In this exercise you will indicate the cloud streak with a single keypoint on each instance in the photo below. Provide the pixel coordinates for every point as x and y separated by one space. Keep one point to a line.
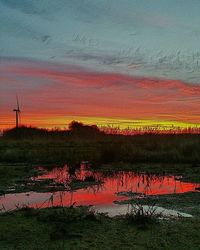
61 90
158 39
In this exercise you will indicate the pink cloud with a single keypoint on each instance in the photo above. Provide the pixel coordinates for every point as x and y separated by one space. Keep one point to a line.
66 90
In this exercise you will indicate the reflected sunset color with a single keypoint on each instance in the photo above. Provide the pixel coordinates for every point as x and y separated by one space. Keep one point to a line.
103 188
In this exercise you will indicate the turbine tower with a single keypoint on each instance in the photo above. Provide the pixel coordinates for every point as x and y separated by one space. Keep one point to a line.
17 113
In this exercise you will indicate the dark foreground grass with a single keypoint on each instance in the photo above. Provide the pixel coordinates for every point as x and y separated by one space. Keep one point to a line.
54 229
102 148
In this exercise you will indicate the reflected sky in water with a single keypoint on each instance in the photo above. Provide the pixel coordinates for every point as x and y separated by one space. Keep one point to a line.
103 192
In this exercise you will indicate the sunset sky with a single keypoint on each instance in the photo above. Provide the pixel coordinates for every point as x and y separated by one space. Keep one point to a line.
121 62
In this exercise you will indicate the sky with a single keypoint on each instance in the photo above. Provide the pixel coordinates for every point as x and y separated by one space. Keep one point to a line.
121 62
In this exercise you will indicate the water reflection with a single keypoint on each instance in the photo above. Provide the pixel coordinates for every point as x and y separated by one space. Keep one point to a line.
102 191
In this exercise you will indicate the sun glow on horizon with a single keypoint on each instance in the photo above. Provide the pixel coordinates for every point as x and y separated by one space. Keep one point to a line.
51 122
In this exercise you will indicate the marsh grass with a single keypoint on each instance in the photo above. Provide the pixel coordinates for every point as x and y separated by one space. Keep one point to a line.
40 146
49 229
142 212
61 218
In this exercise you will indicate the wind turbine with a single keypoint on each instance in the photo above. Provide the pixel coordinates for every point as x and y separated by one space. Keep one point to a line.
17 112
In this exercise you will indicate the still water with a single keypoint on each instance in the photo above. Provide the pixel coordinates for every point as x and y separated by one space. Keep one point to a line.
106 187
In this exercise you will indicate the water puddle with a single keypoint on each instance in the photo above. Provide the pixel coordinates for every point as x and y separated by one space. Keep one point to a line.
82 186
115 210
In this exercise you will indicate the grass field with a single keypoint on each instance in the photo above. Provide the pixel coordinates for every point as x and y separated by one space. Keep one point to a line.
77 228
58 229
100 148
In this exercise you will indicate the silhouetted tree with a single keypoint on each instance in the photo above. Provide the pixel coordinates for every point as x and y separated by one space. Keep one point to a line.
78 128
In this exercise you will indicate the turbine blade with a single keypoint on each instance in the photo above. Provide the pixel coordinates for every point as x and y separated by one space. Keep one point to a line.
17 104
